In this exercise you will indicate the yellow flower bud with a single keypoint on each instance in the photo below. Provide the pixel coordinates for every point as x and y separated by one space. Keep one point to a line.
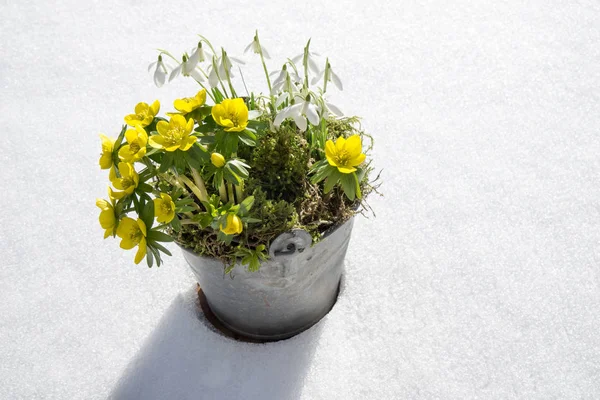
217 160
234 225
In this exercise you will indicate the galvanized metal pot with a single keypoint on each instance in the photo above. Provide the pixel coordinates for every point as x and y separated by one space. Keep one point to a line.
292 291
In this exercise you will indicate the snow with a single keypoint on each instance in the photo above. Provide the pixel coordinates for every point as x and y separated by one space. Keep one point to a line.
479 278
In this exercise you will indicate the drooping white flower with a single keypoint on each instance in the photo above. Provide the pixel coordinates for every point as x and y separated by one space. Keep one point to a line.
160 73
300 112
329 76
198 55
257 48
220 68
187 68
309 56
285 81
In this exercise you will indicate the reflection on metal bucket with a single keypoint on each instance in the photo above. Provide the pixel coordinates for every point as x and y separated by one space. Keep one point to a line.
292 291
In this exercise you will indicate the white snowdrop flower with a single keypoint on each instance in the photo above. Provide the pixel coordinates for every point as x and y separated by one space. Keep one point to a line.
310 59
286 81
329 76
198 55
257 48
160 73
254 114
220 68
187 68
330 109
300 112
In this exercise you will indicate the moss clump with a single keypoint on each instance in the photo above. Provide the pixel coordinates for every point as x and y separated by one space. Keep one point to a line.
280 163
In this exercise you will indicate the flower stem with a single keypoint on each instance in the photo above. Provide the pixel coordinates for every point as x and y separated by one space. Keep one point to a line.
239 192
199 183
230 192
223 192
193 188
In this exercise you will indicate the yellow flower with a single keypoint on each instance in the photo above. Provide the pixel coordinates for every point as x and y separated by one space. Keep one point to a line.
128 181
189 104
144 114
136 147
232 114
234 225
133 233
108 218
217 160
108 144
174 134
164 209
345 154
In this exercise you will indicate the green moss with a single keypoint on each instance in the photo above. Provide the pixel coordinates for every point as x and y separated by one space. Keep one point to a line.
280 163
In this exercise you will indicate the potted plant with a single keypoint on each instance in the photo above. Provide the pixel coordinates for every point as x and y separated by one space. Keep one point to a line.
258 189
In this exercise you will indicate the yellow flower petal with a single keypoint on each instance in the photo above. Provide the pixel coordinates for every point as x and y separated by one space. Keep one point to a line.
340 144
353 145
105 161
155 107
163 127
156 141
357 160
141 253
142 226
346 170
102 204
141 108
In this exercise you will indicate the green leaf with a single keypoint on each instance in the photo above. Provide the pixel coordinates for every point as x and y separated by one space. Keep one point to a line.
348 182
252 220
182 209
176 224
119 140
196 155
238 167
330 183
156 255
180 161
183 202
159 236
161 248
147 214
246 205
149 259
248 138
199 113
321 172
204 219
144 187
167 161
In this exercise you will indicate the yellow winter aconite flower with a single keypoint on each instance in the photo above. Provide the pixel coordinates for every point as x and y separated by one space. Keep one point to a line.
231 114
144 114
128 181
108 219
345 154
135 148
189 104
234 225
164 208
133 233
174 134
217 160
108 144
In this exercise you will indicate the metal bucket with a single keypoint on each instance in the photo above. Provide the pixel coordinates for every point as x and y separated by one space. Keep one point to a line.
292 291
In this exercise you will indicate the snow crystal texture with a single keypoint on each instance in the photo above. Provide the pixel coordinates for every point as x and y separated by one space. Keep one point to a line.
479 278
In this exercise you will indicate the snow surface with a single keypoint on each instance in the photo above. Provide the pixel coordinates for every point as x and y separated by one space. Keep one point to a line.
479 278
